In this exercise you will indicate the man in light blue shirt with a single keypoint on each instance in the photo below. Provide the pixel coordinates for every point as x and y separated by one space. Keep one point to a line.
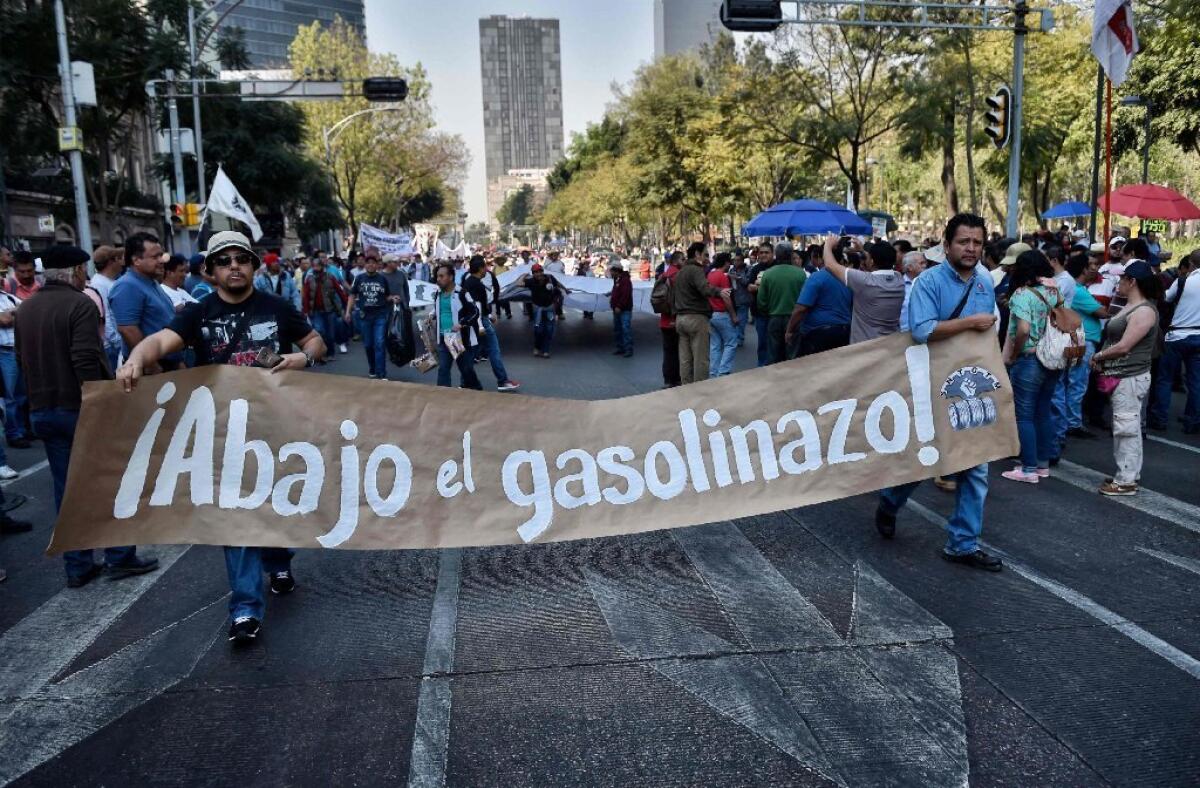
947 300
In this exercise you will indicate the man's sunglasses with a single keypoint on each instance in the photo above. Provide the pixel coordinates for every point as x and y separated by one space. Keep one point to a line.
224 260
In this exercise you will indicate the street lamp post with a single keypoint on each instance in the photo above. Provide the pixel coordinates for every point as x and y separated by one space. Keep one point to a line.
1138 101
84 236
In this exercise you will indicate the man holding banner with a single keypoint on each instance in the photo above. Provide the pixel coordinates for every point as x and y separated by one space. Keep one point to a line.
946 301
242 326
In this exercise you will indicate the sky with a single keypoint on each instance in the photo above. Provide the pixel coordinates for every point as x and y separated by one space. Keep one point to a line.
602 41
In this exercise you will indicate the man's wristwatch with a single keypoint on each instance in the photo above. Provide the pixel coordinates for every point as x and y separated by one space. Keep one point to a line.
309 360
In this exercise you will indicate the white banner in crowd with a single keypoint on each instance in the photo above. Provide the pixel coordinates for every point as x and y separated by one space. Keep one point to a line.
387 243
588 293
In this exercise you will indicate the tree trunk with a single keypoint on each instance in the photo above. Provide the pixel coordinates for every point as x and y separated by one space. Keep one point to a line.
1002 217
949 186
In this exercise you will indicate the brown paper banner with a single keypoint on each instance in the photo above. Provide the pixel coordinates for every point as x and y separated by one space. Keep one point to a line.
236 456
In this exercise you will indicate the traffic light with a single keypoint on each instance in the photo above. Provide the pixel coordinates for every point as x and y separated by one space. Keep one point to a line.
751 16
998 119
178 213
191 214
385 89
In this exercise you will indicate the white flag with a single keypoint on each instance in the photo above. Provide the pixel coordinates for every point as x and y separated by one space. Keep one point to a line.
225 200
1114 41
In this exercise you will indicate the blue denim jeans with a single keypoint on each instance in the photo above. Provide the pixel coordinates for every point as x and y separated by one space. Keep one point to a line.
466 367
56 428
245 566
623 331
743 313
15 401
544 319
965 525
722 345
1068 399
1183 353
1033 395
761 327
491 347
113 352
325 324
373 330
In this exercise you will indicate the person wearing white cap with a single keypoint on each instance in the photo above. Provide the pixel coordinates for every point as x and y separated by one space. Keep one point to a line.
242 326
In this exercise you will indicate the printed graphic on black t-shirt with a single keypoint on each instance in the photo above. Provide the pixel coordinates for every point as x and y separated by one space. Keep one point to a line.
370 293
209 326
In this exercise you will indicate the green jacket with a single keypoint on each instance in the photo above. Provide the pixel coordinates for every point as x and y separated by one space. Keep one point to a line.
778 288
692 291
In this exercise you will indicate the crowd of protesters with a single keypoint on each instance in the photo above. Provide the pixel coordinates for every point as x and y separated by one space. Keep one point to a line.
144 311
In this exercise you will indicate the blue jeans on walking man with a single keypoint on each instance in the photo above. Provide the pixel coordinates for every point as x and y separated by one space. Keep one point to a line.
246 566
544 319
1183 353
1033 396
325 324
490 347
623 332
1068 399
373 330
466 367
722 345
743 313
965 525
56 428
762 325
15 402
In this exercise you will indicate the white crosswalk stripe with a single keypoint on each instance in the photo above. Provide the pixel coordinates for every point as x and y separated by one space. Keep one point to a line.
1164 507
1175 444
1180 659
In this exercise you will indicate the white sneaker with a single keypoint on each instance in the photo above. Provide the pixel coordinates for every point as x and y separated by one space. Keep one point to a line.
343 349
7 473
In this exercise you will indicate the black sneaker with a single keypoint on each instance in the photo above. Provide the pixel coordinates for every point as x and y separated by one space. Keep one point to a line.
138 566
11 526
19 443
1080 432
885 523
79 581
976 560
244 630
283 582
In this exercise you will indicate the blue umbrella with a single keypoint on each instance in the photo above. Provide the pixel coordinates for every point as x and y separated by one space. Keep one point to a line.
806 217
1066 210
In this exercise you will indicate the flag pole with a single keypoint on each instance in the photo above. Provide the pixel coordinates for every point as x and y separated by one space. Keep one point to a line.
1107 165
1096 149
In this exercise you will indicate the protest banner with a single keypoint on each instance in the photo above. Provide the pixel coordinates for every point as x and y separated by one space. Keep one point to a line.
385 242
235 456
588 293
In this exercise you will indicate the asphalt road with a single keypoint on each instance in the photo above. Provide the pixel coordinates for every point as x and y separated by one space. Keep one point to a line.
790 649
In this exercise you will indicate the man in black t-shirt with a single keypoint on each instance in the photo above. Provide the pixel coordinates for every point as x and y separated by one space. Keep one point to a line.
545 293
489 346
234 327
370 293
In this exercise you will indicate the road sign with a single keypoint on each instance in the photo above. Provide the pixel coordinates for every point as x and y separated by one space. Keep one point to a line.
46 223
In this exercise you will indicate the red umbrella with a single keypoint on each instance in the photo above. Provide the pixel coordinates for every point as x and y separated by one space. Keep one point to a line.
1147 201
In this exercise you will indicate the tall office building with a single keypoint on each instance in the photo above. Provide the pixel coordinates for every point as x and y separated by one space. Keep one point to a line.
522 98
270 25
684 25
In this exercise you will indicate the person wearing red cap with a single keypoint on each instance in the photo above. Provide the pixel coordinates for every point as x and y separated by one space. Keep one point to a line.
272 279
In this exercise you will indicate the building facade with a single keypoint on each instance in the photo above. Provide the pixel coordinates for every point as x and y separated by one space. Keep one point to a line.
270 25
685 25
521 62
